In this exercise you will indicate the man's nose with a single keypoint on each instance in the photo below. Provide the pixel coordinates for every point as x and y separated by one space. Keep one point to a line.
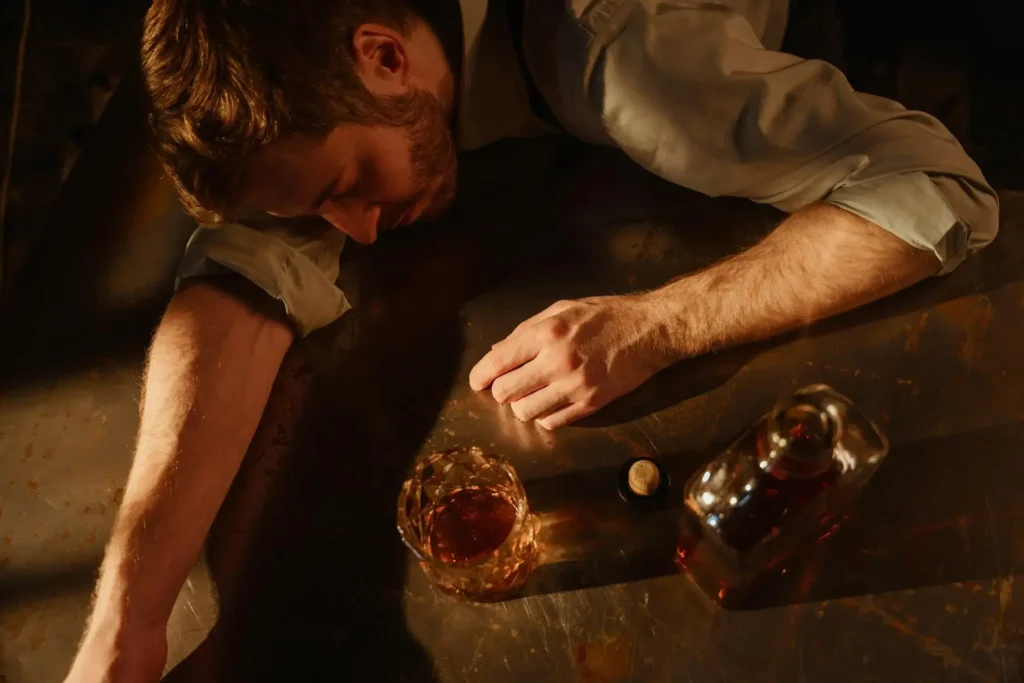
358 221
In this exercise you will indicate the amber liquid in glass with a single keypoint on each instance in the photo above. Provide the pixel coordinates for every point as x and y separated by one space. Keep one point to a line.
775 501
469 524
464 514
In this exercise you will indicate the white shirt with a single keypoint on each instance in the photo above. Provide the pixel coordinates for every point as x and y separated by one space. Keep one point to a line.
696 92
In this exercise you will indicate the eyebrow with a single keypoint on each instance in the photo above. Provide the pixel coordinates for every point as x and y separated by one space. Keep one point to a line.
326 192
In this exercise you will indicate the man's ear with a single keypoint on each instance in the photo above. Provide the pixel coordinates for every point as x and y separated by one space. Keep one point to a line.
381 59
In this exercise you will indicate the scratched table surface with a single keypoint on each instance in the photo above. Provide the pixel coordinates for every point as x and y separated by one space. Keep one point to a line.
304 577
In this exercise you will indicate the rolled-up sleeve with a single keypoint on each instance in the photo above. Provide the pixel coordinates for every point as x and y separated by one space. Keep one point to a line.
295 262
688 91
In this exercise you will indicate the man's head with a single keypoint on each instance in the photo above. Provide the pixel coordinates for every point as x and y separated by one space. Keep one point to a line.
338 108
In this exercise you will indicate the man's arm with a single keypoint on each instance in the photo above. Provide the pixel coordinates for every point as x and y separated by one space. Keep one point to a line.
211 368
577 356
689 92
879 198
819 262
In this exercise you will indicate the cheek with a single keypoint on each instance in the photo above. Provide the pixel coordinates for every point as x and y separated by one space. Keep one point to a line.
279 192
392 170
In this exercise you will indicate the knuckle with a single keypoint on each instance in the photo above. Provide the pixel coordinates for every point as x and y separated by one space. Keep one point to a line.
570 361
558 329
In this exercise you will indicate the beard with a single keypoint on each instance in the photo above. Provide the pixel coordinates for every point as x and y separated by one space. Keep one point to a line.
432 154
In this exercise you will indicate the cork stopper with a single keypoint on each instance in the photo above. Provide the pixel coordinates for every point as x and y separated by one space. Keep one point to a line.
644 478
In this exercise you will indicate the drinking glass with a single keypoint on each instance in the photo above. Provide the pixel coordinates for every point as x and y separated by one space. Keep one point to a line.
464 514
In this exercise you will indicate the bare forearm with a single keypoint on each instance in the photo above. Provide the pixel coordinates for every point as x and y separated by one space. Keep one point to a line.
211 368
819 262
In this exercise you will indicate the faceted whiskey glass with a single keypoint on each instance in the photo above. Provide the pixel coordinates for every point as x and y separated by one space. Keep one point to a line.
464 515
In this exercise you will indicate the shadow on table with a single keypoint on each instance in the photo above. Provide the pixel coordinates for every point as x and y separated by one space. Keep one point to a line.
309 570
670 387
938 511
24 587
305 554
589 536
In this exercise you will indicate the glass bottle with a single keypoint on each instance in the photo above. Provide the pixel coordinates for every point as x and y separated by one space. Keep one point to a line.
782 483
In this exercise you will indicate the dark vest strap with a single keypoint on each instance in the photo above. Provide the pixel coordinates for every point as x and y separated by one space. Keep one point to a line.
539 106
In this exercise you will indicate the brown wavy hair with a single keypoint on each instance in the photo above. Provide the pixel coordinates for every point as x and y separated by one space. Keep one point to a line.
227 77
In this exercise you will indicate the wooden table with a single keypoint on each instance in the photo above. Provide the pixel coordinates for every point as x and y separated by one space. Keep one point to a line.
305 577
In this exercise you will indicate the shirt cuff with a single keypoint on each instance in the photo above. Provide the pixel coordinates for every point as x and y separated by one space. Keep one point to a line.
911 207
299 276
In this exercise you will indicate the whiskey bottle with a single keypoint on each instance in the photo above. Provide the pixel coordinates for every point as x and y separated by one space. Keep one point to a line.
782 483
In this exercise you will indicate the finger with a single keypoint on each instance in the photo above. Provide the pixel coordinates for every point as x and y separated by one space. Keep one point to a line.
520 382
551 310
565 415
504 356
541 402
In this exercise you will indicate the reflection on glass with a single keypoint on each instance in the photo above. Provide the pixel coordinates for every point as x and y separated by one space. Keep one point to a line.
464 515
781 484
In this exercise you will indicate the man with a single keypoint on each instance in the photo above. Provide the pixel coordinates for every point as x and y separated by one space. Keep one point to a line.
268 112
